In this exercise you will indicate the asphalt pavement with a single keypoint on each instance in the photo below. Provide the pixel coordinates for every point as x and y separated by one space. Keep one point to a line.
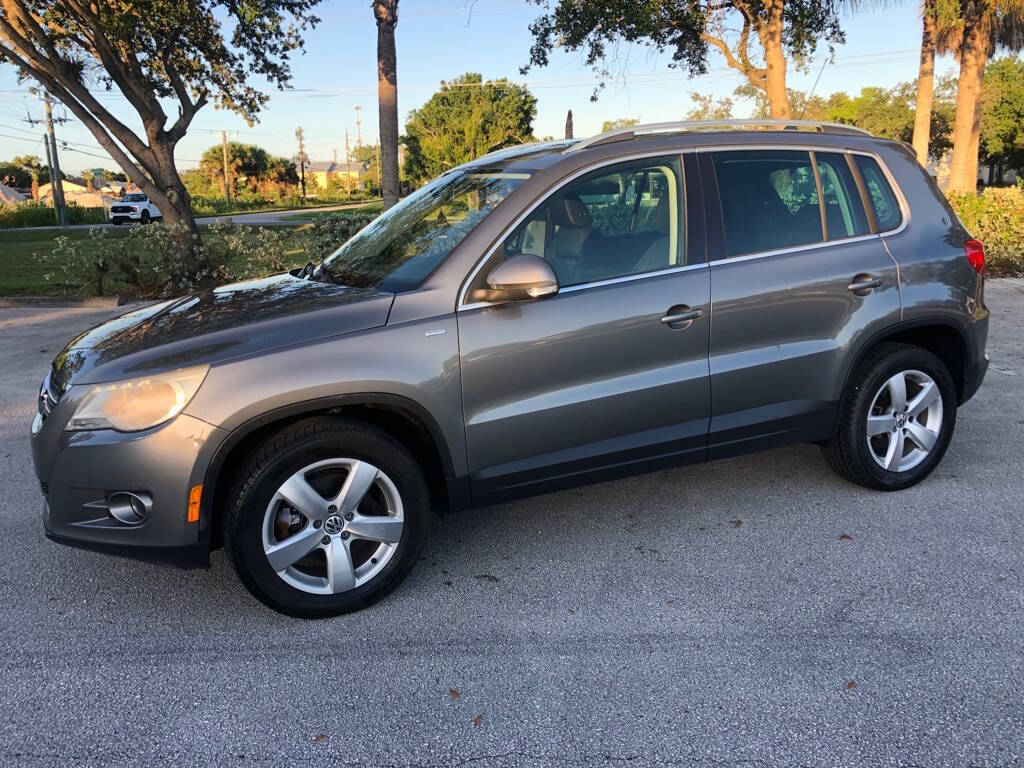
757 611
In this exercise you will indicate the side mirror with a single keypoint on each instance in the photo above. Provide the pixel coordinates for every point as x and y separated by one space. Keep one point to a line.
523 278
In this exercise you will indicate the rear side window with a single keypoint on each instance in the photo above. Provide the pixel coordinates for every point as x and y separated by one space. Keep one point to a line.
769 200
887 209
844 211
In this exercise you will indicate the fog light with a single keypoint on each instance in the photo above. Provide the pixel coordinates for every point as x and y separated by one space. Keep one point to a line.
130 508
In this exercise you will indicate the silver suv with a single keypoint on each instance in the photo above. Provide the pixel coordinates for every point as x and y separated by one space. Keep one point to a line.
545 316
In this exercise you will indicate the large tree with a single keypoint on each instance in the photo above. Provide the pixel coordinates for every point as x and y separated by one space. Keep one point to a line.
770 32
1002 116
467 118
386 14
986 25
156 53
24 171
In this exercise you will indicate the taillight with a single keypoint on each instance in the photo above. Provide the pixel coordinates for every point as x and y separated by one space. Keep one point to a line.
975 252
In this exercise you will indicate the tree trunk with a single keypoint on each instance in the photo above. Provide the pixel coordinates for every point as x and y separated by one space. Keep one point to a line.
972 154
963 169
166 189
925 85
386 14
775 61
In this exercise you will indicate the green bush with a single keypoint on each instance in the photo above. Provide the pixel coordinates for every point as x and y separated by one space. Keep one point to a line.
996 218
147 261
329 232
33 213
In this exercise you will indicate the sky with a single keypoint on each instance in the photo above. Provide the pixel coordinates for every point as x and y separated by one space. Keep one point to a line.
441 39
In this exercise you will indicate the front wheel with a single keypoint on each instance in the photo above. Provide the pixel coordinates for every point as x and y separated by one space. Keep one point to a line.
327 517
896 419
144 218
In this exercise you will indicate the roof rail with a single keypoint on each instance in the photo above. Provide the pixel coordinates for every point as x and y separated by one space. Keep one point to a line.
695 126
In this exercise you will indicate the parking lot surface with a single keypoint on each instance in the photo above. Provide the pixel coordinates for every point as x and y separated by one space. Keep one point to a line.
756 611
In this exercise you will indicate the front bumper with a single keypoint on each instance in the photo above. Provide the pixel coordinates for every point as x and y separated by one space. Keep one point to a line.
122 218
78 471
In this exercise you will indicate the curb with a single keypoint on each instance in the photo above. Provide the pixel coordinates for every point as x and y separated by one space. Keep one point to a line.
92 302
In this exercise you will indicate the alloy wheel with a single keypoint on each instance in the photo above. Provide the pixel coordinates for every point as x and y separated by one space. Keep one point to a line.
904 420
333 526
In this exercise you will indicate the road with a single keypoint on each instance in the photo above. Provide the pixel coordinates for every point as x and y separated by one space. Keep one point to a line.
755 611
260 218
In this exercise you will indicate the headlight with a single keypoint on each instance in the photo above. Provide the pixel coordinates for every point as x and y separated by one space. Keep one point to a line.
136 404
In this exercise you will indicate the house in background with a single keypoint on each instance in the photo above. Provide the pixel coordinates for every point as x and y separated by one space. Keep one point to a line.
83 193
325 172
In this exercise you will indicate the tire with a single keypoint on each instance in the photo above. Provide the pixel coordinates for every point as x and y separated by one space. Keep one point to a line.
860 458
144 218
317 451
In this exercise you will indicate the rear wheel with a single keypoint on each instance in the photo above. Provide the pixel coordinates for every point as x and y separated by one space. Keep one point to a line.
326 517
896 421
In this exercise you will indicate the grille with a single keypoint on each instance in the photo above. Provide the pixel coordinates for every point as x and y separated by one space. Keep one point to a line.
120 209
47 398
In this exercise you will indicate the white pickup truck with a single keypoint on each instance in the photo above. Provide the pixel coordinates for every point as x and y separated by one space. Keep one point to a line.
134 206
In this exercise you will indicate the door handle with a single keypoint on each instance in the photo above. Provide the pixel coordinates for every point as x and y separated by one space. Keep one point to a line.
681 317
863 284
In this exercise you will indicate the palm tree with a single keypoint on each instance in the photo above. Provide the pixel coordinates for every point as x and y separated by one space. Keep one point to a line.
941 32
386 14
925 83
987 24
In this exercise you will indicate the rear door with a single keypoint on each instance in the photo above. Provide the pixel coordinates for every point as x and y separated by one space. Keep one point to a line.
609 376
798 279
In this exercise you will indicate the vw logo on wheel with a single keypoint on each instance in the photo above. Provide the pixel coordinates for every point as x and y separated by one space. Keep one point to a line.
333 525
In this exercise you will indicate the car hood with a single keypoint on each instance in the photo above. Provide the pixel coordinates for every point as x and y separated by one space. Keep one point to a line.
216 325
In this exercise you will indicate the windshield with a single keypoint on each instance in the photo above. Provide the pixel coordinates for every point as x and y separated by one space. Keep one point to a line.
135 197
401 247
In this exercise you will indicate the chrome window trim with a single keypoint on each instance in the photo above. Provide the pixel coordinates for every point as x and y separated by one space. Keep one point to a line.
793 249
625 158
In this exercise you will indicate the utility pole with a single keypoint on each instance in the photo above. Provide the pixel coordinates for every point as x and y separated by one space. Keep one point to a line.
359 133
348 179
56 185
568 125
302 163
49 163
224 154
379 188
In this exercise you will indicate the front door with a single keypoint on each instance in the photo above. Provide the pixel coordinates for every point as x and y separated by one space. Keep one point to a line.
798 281
609 376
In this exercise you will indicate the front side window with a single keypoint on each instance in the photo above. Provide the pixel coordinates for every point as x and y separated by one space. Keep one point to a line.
844 211
620 220
883 200
769 200
399 249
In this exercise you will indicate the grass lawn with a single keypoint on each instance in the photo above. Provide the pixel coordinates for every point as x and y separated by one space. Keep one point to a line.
22 275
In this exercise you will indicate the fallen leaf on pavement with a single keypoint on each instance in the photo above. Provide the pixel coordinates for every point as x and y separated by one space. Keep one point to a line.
319 737
453 693
851 685
477 720
846 537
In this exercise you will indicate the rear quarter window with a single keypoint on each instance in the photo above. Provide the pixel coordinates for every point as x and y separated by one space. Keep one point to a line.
883 200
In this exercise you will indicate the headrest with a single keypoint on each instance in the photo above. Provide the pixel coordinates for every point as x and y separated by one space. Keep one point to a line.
569 211
661 222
